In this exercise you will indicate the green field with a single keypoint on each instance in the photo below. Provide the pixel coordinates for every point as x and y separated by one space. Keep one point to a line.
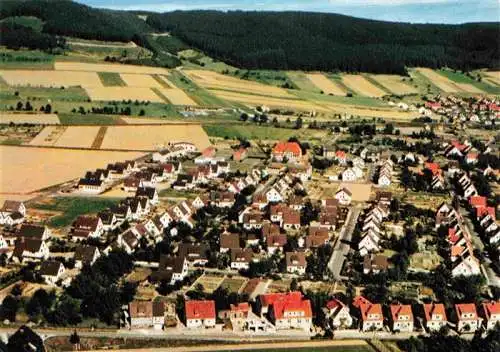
111 79
459 77
27 21
248 131
354 100
26 59
88 119
302 82
71 207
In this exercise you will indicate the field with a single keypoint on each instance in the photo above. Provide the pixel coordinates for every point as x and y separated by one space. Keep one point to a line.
214 80
27 170
325 84
122 93
153 137
40 78
302 82
469 83
70 207
49 119
120 68
233 284
140 80
111 79
493 76
395 84
440 81
256 132
177 96
73 136
362 86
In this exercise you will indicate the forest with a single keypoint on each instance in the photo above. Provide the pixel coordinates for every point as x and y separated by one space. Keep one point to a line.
330 42
15 36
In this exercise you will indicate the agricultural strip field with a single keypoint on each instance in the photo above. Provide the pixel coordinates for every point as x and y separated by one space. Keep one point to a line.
214 80
469 83
111 79
301 80
370 112
440 81
177 96
57 79
73 136
249 99
26 169
493 76
149 138
362 86
119 68
140 80
325 84
395 84
144 121
258 132
46 119
123 93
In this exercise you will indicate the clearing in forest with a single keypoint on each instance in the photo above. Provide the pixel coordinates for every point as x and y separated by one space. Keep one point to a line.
325 84
362 86
395 84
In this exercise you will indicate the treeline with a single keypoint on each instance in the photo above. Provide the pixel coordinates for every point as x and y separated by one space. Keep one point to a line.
329 42
62 17
15 36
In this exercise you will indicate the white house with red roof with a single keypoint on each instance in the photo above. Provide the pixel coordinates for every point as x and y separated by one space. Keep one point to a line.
371 314
467 318
287 310
199 314
491 314
402 318
435 316
287 150
337 314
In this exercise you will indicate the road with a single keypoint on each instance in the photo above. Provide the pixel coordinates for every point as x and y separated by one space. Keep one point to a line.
342 246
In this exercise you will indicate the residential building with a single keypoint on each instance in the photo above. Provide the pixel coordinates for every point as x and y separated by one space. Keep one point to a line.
491 314
435 316
199 314
146 314
467 319
337 314
295 263
290 151
51 271
86 255
402 318
371 314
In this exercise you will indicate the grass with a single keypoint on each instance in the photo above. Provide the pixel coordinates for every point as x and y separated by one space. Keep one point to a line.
72 207
303 82
11 141
248 131
232 284
354 100
26 59
27 21
173 193
89 119
111 79
35 93
459 77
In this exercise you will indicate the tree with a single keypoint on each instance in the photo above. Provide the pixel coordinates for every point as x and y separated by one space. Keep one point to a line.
142 112
9 308
298 123
74 339
48 109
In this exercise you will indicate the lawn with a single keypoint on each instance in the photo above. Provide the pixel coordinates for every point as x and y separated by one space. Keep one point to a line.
111 79
71 207
459 77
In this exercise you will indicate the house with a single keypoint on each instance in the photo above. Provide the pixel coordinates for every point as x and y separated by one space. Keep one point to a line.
229 241
290 151
491 314
241 318
344 196
273 195
374 263
286 310
199 314
402 317
90 186
368 244
11 219
371 314
316 237
195 254
240 154
467 265
337 314
30 249
341 157
275 241
147 314
349 175
86 255
108 219
295 263
11 206
291 219
39 232
478 202
149 192
241 258
87 227
132 183
384 180
435 316
128 241
51 271
25 340
467 319
471 158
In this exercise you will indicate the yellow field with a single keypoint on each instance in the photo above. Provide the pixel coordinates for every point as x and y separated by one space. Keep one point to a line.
140 80
78 136
256 100
153 137
370 112
395 84
362 86
123 93
325 84
469 88
27 169
119 68
214 80
48 136
177 96
143 121
493 76
46 119
439 81
54 79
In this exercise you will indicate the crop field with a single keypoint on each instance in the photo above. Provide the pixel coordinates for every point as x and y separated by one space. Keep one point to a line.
325 84
41 78
48 136
26 169
395 84
387 113
255 100
120 68
153 137
443 83
493 76
111 79
177 96
362 86
72 136
140 80
258 132
301 80
214 80
123 93
48 119
144 121
469 83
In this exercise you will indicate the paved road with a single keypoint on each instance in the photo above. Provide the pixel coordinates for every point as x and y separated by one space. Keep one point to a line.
342 246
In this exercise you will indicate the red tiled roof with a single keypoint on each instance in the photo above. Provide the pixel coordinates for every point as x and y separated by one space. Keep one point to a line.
452 236
478 201
200 309
466 308
366 308
287 147
434 308
434 167
399 310
458 145
240 307
334 303
482 211
472 155
491 308
286 302
340 154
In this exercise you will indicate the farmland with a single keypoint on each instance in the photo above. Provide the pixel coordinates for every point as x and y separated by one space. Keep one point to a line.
119 68
493 76
362 86
111 79
256 132
140 80
74 136
395 84
325 84
19 118
123 93
25 173
56 79
440 81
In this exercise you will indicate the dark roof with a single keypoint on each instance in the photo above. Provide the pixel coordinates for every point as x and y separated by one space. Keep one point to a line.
193 251
90 182
230 241
106 217
29 244
25 340
241 255
146 192
85 222
85 253
32 231
295 259
50 267
11 206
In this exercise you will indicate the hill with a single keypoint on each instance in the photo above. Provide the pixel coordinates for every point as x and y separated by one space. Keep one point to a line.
327 42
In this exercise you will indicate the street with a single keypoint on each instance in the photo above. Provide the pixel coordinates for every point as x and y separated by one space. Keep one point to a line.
341 247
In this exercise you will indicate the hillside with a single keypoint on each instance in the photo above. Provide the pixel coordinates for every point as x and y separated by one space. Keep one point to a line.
327 42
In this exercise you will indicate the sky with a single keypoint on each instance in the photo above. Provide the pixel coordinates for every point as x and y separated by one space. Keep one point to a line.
416 11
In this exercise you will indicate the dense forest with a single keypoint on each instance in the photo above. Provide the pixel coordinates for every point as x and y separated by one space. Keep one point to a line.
15 36
328 42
